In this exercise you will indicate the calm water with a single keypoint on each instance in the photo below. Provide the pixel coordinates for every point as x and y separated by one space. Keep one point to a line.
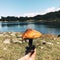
21 27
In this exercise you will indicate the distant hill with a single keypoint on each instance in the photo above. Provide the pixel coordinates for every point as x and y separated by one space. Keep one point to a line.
49 17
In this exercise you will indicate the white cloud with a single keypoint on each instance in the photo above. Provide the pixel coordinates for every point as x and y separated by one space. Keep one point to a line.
51 9
30 14
58 9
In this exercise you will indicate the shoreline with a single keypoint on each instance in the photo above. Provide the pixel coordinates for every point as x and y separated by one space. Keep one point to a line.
19 35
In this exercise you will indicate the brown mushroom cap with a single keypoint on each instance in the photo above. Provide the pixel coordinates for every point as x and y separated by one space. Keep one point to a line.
30 33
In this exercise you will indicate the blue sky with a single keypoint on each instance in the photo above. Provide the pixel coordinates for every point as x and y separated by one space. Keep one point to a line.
27 7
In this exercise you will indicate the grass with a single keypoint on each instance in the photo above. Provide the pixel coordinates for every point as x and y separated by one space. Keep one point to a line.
14 51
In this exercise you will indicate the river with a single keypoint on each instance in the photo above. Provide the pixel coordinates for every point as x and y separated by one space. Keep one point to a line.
21 27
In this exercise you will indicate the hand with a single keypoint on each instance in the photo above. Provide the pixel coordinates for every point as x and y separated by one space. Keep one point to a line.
29 56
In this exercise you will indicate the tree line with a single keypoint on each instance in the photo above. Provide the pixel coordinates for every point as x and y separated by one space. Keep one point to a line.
48 17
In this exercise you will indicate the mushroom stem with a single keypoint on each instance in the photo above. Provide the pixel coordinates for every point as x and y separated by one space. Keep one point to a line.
30 42
30 48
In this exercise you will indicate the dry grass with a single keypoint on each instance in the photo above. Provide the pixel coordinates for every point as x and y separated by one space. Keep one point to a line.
47 49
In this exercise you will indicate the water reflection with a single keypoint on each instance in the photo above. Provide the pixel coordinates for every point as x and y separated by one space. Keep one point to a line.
32 26
8 24
21 26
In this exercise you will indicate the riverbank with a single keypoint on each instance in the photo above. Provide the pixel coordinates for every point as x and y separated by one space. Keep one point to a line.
12 47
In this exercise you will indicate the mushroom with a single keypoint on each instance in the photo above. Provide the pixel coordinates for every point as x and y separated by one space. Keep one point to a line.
30 34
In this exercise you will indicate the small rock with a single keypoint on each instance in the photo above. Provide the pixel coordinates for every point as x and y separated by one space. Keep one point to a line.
44 42
13 34
19 38
6 41
16 41
42 47
4 48
49 43
20 41
58 42
1 34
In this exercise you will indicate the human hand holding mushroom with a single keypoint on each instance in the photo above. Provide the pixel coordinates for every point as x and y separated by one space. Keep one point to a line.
30 34
29 56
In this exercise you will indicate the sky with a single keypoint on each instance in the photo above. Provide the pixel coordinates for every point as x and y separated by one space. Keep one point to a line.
28 7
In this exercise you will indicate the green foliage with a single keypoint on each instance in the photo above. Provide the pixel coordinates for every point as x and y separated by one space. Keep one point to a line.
49 17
